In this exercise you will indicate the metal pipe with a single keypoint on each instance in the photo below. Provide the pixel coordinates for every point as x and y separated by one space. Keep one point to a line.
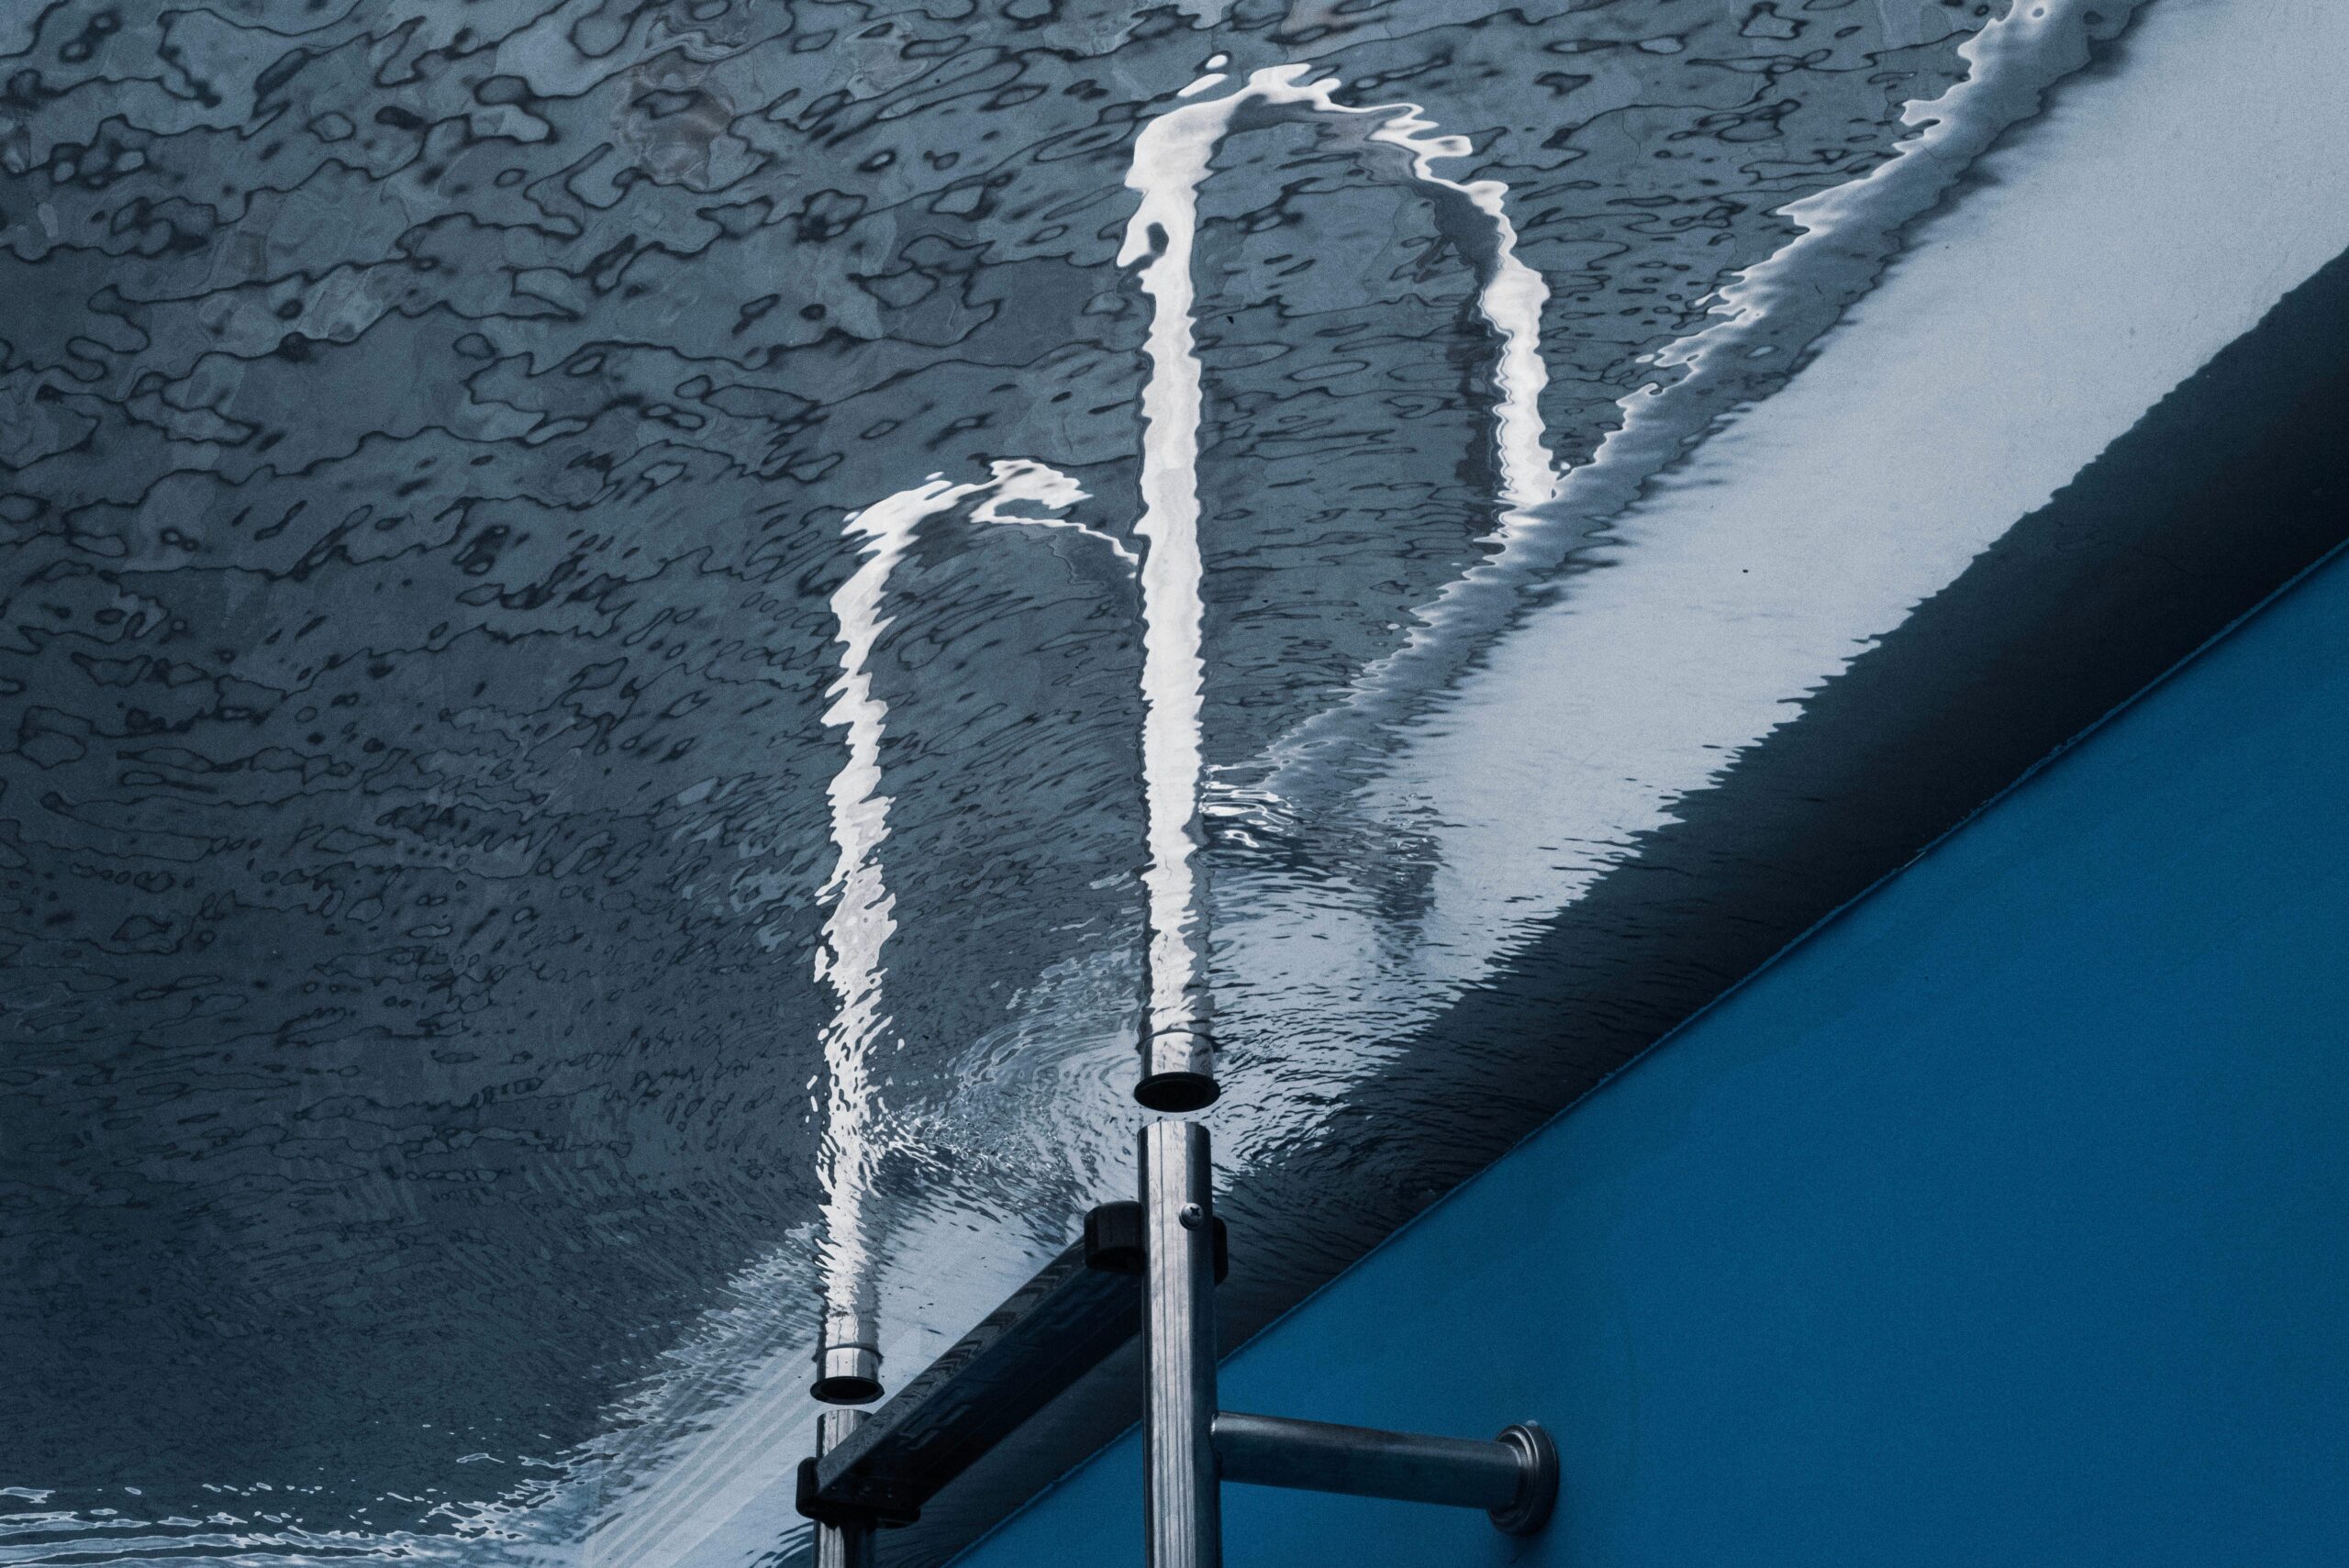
847 1358
1514 1478
1177 1070
1183 1517
841 1546
1410 1467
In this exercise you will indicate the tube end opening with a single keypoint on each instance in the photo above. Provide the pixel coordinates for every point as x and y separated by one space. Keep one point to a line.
1175 1093
848 1389
847 1372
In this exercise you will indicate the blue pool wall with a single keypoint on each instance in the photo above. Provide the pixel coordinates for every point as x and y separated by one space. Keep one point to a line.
2004 1220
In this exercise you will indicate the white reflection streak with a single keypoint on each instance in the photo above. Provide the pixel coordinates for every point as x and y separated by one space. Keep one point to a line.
1775 308
1170 163
862 918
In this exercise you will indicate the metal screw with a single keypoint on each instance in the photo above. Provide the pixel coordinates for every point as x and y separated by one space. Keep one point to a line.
1192 1216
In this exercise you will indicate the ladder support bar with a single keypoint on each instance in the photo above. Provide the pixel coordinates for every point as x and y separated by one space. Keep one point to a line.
1513 1477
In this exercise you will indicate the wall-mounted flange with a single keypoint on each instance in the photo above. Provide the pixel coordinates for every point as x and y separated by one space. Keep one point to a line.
1537 1480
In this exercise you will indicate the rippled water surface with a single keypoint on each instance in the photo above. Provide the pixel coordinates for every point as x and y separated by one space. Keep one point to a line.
633 628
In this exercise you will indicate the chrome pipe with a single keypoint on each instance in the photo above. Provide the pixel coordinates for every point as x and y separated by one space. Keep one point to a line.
1410 1467
1514 1478
847 1358
1183 1516
841 1546
1177 1070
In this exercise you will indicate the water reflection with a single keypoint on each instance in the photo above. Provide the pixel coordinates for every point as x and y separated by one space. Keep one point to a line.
456 985
861 919
1170 160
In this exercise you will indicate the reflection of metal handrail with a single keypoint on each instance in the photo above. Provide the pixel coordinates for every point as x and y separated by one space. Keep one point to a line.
847 1347
1171 161
1177 1050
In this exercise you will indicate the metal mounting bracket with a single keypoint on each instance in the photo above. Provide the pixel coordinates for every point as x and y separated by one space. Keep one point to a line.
876 1470
1190 1447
